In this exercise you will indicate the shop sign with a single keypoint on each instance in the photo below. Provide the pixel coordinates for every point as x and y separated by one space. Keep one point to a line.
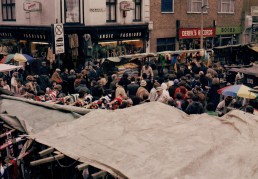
126 5
122 35
6 34
32 6
97 10
254 10
196 33
228 30
59 38
34 36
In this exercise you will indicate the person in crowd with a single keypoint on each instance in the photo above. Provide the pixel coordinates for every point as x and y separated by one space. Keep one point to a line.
120 90
225 105
113 82
249 109
161 95
102 81
132 88
14 83
142 90
56 76
71 79
147 70
195 107
188 99
5 85
212 95
44 69
153 91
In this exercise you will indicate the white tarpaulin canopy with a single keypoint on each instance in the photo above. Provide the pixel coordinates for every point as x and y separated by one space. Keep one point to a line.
154 140
6 67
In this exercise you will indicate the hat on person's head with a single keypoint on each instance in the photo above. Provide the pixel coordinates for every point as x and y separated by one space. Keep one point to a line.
143 83
58 69
176 81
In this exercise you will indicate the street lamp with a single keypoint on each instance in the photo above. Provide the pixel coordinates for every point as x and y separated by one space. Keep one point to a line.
202 8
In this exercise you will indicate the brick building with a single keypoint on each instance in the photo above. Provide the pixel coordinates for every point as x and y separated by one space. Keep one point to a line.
177 24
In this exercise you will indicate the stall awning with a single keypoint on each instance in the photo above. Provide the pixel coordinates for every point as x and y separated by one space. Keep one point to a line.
5 67
255 48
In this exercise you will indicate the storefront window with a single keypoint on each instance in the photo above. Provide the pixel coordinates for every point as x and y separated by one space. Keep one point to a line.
165 44
188 44
117 48
111 10
8 10
72 11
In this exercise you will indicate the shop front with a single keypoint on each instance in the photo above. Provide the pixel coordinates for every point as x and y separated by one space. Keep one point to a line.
84 43
227 35
189 38
22 39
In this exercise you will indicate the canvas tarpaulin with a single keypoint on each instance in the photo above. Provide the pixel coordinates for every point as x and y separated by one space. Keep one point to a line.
154 140
31 117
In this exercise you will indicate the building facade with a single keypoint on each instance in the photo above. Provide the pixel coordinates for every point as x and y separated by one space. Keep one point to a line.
91 29
178 24
250 21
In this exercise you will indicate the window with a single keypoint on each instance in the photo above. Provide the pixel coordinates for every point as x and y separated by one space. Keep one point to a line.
226 6
72 11
195 6
111 10
165 44
8 10
167 5
137 10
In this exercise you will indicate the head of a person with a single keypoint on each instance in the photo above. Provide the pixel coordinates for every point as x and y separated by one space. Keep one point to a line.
249 109
125 75
228 99
189 94
57 70
143 83
144 76
132 79
82 93
72 72
195 98
147 65
30 78
114 76
15 74
159 90
58 87
179 96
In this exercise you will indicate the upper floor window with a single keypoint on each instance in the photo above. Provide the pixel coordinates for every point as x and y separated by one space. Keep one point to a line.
72 11
137 10
8 10
195 6
111 10
167 5
226 6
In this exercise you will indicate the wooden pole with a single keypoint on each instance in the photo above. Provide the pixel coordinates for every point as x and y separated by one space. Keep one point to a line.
99 174
47 160
82 166
4 134
46 151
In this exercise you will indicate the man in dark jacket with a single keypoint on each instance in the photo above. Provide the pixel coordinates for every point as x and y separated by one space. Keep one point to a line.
132 88
195 107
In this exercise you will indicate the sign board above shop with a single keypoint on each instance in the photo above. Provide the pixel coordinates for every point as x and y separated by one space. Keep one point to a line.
254 10
126 5
32 6
187 33
228 30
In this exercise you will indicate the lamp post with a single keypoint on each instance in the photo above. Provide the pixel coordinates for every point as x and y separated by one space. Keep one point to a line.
202 8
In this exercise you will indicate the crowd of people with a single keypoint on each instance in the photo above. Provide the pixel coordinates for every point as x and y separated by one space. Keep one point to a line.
191 88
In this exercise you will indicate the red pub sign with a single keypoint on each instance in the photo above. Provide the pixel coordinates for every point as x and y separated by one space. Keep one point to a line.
196 33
